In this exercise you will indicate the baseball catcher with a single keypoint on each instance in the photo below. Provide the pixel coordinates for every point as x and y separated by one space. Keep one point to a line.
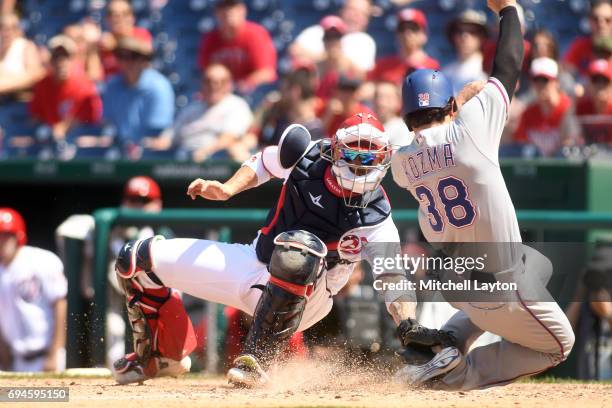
331 213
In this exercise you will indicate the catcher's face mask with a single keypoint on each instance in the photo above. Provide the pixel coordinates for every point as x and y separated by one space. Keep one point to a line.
360 154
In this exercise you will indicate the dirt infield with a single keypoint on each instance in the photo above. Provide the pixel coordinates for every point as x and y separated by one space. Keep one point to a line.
307 391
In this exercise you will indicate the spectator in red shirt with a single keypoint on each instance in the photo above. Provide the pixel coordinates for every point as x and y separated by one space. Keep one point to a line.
580 52
548 123
65 96
594 110
343 104
335 62
121 22
243 46
411 37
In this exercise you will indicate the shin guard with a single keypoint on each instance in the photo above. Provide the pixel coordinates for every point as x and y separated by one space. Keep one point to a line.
296 261
160 325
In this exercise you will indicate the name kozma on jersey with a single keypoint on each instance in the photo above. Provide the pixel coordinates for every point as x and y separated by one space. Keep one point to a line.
430 159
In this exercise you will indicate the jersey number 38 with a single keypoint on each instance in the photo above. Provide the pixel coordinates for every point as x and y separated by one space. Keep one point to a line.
453 195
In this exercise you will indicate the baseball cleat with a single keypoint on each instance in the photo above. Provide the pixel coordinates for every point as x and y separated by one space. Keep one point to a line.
129 369
247 372
416 355
443 362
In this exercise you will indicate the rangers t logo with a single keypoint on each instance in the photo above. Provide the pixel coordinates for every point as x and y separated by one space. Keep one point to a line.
423 99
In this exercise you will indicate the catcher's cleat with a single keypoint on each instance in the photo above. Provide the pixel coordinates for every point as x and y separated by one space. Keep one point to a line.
442 363
247 372
129 369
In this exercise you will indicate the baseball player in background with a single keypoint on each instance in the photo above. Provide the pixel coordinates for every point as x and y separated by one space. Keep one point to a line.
32 299
330 214
452 169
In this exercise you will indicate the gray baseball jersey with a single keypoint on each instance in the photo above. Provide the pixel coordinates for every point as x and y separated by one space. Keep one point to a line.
453 171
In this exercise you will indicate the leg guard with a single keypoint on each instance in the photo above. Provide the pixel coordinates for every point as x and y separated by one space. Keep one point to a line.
162 330
296 261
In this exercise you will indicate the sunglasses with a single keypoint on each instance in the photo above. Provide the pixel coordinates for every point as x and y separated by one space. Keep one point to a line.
408 26
467 29
540 80
59 54
600 80
214 81
350 155
120 13
128 55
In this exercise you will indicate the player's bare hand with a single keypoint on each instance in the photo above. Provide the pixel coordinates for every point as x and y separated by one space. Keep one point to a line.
209 189
498 5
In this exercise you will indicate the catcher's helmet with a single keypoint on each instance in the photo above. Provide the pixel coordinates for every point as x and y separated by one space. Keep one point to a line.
11 221
360 154
424 89
142 187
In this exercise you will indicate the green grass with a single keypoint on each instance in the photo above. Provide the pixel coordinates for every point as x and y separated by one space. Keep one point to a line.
557 380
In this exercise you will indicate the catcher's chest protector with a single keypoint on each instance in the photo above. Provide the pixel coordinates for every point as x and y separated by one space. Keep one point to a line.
305 203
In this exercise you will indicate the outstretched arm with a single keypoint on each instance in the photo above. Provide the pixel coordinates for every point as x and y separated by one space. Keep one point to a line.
509 54
273 161
244 179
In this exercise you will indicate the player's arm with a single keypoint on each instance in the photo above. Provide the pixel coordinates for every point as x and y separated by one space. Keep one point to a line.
383 243
403 305
509 54
273 161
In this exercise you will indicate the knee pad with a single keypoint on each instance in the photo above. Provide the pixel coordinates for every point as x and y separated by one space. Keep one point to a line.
297 259
135 257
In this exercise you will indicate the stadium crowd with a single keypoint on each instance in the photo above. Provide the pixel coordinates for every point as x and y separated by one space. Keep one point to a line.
99 87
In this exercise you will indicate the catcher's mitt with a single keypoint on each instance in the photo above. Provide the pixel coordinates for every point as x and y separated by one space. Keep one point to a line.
412 333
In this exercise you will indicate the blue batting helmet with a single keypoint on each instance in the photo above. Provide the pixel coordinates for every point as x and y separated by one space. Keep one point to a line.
425 88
